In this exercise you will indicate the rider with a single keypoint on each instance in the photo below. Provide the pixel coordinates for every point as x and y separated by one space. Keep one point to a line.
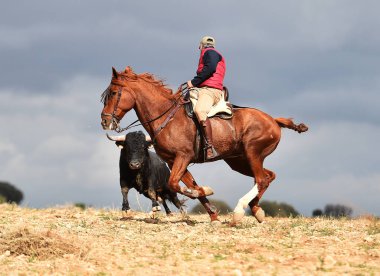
209 84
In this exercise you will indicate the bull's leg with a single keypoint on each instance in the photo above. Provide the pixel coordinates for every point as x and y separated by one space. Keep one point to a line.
191 184
153 197
155 206
177 203
257 212
259 186
167 210
126 210
178 169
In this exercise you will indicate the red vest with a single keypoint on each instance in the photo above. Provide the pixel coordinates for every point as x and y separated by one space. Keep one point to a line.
216 80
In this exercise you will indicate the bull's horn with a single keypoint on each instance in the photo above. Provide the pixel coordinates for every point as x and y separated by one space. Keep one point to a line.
116 138
147 138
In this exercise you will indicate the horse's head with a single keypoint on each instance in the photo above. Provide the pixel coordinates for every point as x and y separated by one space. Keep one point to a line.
118 99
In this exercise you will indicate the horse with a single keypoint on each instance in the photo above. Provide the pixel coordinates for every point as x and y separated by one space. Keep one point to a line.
243 141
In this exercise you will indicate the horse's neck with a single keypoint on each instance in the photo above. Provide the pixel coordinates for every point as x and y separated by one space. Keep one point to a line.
150 104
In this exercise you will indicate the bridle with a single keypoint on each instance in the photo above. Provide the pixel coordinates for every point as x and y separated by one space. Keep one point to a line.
114 119
178 102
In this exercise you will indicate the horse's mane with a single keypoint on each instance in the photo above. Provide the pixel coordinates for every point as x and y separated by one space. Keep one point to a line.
129 75
147 77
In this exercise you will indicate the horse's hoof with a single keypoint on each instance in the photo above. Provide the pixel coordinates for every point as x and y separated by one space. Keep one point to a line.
189 192
259 215
208 191
237 218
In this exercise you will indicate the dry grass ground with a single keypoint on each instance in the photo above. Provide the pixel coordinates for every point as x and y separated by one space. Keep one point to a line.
69 240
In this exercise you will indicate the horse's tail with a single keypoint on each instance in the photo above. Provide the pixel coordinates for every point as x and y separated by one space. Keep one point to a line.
288 123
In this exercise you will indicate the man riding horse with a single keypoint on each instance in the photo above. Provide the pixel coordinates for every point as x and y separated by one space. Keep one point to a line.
208 84
243 142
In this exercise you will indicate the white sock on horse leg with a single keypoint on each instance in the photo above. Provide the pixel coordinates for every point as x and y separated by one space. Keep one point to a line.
245 200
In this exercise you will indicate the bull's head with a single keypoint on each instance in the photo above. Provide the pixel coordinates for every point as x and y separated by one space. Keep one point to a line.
134 147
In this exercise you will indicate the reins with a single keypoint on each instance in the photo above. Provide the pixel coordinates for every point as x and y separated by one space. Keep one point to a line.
176 104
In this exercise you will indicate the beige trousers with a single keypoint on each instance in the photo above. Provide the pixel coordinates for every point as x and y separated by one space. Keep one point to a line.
207 98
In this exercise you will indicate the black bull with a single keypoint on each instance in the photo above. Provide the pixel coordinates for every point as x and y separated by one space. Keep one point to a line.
143 170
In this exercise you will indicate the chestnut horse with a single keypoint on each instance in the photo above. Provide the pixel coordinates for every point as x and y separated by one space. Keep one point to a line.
242 142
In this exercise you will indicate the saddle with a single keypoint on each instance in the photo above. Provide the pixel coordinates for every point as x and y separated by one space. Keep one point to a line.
223 109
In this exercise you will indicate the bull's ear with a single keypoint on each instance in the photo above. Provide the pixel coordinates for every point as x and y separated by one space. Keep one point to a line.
120 145
114 72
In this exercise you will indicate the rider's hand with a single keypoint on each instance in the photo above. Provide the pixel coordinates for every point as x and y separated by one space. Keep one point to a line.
189 84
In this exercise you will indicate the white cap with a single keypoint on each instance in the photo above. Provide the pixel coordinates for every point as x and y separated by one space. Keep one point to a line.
207 40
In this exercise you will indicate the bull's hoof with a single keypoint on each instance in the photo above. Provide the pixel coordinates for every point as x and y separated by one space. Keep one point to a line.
126 214
236 219
259 215
156 208
155 214
207 190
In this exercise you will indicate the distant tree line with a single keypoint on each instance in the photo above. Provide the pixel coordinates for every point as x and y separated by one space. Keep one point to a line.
9 193
271 208
222 207
333 210
275 209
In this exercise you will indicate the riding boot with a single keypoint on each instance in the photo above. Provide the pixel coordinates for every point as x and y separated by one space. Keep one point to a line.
207 131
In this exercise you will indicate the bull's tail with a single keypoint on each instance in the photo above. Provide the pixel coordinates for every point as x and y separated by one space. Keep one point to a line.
288 123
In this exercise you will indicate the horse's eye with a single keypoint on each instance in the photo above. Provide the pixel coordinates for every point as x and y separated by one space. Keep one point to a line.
113 93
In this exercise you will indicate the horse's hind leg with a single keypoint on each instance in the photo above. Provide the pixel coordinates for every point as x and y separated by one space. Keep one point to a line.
257 212
211 209
261 182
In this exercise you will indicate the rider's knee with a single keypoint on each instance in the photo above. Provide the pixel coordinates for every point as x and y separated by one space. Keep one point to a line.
201 113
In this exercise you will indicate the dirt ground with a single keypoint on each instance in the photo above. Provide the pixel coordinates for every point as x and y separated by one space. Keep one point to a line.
68 240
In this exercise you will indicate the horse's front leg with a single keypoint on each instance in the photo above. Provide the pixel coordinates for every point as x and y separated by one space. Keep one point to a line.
191 184
193 189
178 169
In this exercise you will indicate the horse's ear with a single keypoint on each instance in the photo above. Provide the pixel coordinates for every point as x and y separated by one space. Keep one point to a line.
128 69
114 72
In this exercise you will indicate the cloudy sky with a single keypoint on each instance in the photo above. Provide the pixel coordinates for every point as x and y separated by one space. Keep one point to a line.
314 61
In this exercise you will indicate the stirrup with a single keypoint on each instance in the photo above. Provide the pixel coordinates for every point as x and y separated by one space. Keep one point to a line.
213 154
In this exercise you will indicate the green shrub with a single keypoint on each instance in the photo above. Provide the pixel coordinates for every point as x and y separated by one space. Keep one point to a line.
317 213
10 193
2 199
80 205
222 207
274 209
337 210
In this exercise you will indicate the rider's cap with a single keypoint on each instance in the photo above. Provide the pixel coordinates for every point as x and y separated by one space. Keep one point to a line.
207 40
